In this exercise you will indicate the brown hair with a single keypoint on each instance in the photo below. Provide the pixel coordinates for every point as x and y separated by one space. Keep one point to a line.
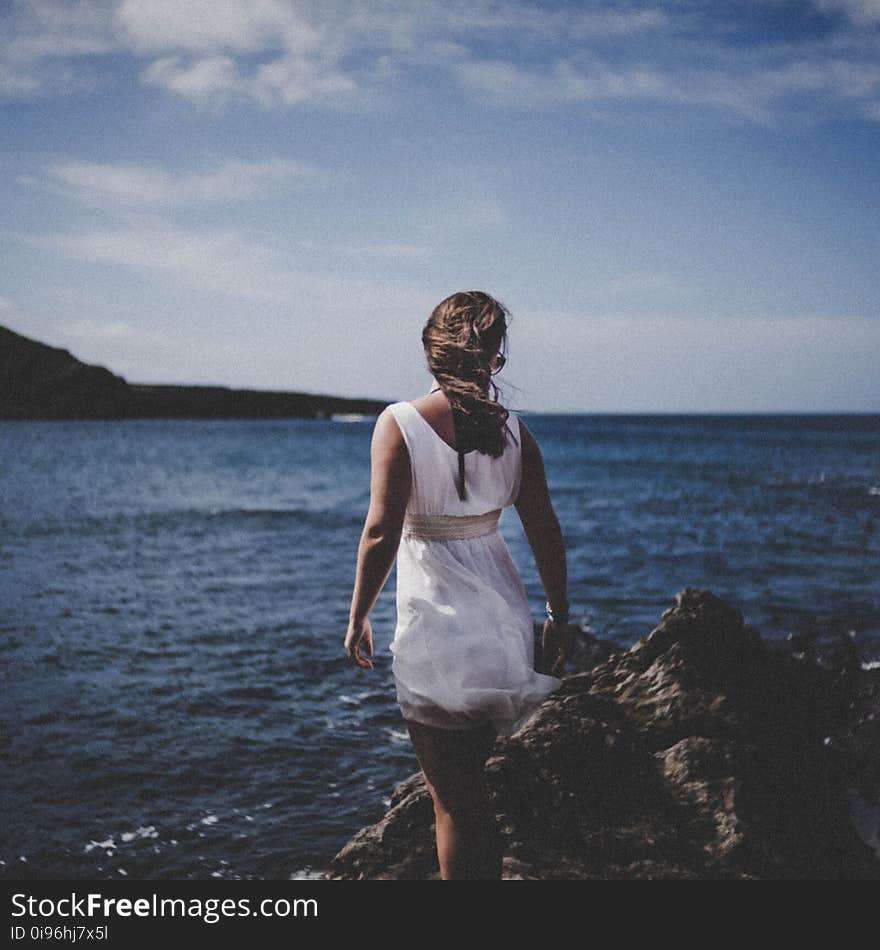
460 338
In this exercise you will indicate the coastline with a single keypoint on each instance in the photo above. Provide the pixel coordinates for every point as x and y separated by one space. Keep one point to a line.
38 381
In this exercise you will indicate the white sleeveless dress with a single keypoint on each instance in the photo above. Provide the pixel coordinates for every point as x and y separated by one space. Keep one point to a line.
463 648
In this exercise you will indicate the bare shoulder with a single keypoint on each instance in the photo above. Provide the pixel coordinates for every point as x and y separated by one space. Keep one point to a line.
386 432
434 407
421 402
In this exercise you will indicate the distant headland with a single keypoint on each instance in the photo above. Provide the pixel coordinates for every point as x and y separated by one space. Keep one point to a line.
38 381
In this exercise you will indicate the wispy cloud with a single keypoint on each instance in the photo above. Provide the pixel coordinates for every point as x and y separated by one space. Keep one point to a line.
224 261
755 92
142 186
217 260
642 282
343 52
513 85
48 46
861 12
95 329
206 80
218 80
205 26
366 249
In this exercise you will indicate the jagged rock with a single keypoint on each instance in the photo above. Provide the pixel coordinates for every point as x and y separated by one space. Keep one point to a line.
404 836
701 752
586 649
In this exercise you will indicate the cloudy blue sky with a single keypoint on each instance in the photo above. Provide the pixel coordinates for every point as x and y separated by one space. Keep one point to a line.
679 202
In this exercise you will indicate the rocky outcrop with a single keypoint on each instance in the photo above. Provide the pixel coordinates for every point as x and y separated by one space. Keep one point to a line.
700 752
44 382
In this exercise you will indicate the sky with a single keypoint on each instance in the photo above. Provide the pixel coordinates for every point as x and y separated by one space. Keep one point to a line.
678 202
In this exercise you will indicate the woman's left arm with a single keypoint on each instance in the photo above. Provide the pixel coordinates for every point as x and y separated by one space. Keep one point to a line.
390 482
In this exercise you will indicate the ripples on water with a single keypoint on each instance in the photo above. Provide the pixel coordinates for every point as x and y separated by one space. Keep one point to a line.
175 594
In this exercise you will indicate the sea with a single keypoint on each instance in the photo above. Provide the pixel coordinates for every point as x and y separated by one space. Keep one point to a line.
174 594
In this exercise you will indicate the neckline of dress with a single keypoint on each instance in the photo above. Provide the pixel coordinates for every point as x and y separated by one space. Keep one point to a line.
436 433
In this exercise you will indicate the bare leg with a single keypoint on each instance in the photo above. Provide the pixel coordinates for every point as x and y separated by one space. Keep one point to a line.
452 762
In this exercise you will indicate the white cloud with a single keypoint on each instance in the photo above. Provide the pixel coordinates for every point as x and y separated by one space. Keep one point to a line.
220 260
541 19
210 79
861 12
619 22
93 329
217 80
265 52
514 85
46 45
367 249
752 93
641 282
139 186
223 261
292 80
15 82
274 53
204 26
5 304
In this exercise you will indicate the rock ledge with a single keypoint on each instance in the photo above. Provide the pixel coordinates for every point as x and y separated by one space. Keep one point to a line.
700 752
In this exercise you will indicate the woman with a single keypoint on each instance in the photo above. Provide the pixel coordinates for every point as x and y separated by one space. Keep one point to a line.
443 467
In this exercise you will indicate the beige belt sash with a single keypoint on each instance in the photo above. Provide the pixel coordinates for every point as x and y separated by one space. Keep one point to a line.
450 527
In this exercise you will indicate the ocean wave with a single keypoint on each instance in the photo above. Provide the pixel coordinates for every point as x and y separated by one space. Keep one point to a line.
349 417
152 521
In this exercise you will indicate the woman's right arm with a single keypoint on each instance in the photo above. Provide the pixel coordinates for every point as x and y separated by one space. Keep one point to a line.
544 535
390 485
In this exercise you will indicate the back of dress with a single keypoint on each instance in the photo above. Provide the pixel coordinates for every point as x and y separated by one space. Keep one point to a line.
464 642
490 484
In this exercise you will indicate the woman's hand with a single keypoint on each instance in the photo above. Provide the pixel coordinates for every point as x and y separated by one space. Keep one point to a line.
555 645
359 633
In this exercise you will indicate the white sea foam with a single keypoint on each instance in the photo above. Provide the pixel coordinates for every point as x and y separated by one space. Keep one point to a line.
306 874
109 843
144 831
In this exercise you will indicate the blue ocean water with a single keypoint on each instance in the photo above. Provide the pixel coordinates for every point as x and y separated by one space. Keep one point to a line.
174 597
